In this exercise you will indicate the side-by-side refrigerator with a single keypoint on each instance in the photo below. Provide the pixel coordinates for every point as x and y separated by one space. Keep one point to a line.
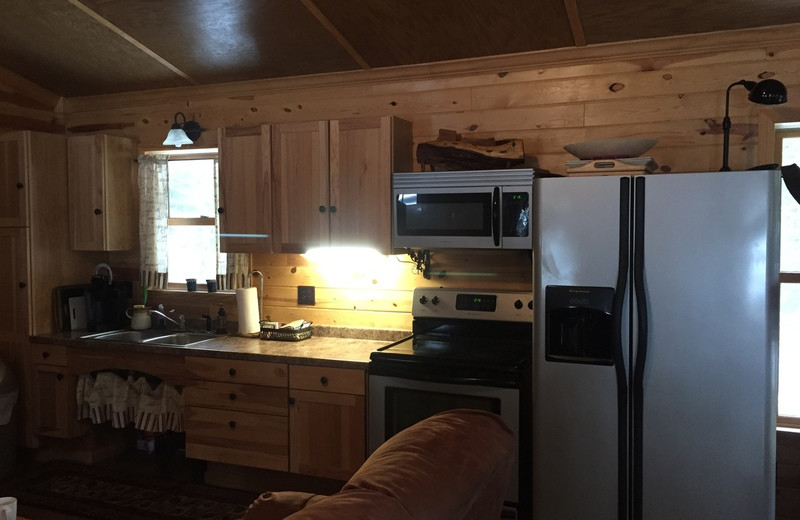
655 346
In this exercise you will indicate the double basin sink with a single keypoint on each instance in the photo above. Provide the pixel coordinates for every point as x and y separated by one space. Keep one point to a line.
153 337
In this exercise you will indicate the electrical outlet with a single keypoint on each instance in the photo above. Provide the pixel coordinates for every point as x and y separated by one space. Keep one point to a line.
305 295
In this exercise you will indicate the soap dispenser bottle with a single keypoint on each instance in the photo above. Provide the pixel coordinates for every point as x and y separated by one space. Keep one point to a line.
222 320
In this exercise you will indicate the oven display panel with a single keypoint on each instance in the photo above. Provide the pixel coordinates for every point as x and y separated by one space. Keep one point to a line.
476 302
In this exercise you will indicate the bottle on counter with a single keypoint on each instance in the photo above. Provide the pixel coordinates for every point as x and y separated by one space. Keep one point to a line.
222 320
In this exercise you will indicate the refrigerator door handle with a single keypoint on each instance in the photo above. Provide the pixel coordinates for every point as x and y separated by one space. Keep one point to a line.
619 356
637 400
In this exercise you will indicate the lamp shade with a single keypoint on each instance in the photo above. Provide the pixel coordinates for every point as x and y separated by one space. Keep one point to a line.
176 137
768 92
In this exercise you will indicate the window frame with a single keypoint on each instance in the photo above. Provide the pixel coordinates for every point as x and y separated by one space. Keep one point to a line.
781 132
191 155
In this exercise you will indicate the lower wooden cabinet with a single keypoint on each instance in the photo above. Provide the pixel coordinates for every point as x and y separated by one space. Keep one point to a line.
236 412
327 421
56 409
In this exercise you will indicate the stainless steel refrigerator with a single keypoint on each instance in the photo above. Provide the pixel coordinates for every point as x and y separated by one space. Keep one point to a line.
655 346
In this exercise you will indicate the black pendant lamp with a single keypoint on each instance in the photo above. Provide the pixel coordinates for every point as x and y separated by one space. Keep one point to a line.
765 92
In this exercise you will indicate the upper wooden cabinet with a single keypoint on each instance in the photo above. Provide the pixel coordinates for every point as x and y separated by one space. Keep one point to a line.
332 181
102 193
245 220
13 181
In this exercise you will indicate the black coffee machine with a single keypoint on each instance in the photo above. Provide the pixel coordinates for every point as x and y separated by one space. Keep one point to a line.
106 301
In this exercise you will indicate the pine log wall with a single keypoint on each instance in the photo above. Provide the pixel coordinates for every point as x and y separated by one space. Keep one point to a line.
672 90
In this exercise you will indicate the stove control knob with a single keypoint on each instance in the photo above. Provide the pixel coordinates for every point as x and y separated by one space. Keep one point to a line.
423 300
530 304
518 304
435 300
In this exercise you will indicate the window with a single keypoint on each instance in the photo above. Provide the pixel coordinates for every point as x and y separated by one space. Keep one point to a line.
788 144
192 236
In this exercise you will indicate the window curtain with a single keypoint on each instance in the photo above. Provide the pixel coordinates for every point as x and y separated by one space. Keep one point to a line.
233 269
153 215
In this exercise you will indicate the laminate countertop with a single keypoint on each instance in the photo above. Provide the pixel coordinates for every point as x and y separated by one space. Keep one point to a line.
328 346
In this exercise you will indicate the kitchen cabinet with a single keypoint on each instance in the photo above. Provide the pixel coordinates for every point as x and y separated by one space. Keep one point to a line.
237 412
327 421
34 252
103 212
56 413
13 181
331 181
245 219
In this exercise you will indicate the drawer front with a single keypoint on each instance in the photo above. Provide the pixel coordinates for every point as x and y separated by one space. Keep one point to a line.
327 379
49 354
246 398
237 371
232 437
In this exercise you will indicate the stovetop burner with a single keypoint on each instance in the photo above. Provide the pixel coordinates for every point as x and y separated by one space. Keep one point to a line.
469 334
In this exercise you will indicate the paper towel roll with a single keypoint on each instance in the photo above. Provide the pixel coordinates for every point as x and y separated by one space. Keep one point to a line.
247 305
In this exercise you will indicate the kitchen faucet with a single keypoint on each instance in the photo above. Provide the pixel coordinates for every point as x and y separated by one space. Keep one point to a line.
180 322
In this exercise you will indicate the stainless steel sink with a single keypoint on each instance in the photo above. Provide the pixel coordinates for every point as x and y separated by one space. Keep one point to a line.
153 337
129 336
180 339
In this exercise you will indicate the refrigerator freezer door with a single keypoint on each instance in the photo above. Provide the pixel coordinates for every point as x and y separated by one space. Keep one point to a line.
575 410
711 271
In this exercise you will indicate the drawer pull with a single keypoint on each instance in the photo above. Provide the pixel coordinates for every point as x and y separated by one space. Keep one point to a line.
232 425
232 396
232 372
98 211
323 380
45 355
291 400
59 377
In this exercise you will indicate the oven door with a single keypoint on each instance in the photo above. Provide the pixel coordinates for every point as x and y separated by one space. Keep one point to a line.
396 403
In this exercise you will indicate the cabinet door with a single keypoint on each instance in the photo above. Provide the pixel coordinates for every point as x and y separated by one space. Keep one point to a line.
14 285
102 193
327 433
327 421
13 181
56 407
360 177
300 186
245 218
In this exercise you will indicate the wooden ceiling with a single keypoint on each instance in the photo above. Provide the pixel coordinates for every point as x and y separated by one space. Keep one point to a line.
74 48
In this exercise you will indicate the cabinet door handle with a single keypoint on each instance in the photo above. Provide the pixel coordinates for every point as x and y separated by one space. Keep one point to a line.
323 380
322 209
98 211
291 400
232 372
332 209
22 285
232 396
59 376
45 355
232 425
20 185
220 210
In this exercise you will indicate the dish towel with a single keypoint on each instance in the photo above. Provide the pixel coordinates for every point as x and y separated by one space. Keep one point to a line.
127 397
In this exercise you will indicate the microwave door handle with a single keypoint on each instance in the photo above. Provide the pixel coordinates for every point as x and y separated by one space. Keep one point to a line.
496 216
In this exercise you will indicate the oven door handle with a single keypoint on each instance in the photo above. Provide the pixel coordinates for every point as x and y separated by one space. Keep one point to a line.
418 373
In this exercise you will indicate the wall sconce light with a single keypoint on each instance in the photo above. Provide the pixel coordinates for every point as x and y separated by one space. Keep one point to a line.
181 134
765 92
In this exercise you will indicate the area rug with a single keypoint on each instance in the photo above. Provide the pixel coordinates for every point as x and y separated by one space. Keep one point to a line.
103 494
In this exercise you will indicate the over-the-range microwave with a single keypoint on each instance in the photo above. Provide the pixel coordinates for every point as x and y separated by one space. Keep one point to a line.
480 209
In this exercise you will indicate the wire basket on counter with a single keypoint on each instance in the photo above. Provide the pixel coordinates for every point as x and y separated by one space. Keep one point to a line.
286 334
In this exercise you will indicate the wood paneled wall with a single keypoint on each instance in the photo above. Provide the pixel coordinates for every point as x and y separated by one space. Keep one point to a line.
672 90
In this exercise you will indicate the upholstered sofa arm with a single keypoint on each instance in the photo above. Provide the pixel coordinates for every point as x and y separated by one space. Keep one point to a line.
455 465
